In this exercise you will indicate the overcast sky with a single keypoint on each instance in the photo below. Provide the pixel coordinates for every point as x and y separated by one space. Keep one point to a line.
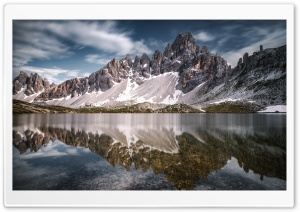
60 50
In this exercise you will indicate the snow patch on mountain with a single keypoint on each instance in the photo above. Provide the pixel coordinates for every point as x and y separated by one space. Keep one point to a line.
225 100
274 108
23 97
158 89
191 97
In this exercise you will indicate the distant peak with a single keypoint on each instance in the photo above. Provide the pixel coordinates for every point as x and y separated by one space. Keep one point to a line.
184 43
183 37
145 55
128 56
22 72
186 34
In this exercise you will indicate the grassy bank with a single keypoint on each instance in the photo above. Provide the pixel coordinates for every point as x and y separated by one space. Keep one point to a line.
24 107
233 107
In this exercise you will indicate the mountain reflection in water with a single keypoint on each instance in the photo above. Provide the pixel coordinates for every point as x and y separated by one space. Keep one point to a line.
185 149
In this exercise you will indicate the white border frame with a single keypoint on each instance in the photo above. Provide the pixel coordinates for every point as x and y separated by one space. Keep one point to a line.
146 198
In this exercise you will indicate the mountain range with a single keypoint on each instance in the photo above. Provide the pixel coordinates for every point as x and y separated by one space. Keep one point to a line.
184 73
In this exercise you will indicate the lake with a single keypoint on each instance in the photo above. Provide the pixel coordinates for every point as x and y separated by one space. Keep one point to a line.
149 151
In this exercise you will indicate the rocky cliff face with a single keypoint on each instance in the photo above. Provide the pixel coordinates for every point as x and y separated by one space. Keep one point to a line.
258 77
204 67
264 73
194 65
30 84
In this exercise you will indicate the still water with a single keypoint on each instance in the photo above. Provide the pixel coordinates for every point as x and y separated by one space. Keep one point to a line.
149 152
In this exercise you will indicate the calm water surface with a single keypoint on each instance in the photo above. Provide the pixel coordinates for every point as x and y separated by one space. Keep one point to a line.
149 152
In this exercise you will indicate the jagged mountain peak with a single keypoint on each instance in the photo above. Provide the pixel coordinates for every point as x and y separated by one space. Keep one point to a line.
145 59
46 83
31 84
22 77
127 58
185 37
184 43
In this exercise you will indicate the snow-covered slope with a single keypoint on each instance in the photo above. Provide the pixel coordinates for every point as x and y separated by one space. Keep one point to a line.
157 89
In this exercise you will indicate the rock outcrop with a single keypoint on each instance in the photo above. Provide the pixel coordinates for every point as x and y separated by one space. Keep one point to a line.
145 65
204 67
30 84
184 44
156 62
